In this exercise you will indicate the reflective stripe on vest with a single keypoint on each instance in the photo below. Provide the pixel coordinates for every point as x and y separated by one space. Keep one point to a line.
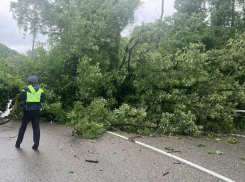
33 96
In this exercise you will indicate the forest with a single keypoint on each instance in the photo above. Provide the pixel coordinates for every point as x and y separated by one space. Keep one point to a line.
182 74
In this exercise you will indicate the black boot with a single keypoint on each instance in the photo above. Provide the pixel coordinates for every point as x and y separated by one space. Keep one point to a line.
17 145
34 147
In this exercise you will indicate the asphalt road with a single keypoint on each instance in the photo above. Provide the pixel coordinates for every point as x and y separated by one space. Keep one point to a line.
62 158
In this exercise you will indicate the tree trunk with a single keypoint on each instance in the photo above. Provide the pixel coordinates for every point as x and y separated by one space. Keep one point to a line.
4 121
233 12
162 10
33 44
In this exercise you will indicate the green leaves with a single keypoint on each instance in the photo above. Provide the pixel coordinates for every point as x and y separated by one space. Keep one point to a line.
173 76
200 145
92 121
218 152
129 118
232 140
10 84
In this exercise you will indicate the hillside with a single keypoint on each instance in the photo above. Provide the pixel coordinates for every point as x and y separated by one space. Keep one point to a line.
6 51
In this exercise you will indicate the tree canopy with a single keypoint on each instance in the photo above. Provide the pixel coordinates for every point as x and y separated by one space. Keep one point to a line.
179 75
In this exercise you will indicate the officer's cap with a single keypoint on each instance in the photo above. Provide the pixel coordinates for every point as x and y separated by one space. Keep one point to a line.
32 79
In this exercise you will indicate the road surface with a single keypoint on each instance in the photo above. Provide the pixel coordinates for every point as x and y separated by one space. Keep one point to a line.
62 158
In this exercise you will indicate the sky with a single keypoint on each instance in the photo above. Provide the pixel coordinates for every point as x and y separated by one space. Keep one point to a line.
12 37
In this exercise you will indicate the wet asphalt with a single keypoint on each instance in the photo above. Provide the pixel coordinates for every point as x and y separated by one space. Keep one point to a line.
64 158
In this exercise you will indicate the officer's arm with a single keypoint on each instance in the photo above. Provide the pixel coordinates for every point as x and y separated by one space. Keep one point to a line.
43 97
22 95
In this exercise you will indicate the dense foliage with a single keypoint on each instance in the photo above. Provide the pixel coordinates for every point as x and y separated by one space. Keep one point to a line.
9 84
180 75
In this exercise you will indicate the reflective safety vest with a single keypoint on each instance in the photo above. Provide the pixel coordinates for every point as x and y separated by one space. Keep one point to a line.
33 96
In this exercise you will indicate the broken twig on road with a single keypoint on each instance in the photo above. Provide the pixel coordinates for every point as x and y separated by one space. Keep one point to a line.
92 161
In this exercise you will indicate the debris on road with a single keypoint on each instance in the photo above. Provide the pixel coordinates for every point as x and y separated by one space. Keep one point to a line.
218 152
92 161
172 150
200 145
232 140
177 163
165 173
131 139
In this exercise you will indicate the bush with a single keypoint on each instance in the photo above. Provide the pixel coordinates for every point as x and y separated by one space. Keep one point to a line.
129 119
92 121
89 130
179 123
54 112
10 84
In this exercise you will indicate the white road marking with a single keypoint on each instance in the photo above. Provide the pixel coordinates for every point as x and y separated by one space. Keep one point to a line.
237 135
178 158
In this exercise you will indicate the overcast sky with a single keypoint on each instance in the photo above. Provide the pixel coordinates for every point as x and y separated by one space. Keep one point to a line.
11 36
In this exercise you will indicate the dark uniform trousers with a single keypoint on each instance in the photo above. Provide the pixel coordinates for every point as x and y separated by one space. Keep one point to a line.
34 117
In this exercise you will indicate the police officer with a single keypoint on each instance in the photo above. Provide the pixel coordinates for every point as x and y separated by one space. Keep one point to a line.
32 96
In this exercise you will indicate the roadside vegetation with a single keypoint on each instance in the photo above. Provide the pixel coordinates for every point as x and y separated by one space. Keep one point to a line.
183 74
